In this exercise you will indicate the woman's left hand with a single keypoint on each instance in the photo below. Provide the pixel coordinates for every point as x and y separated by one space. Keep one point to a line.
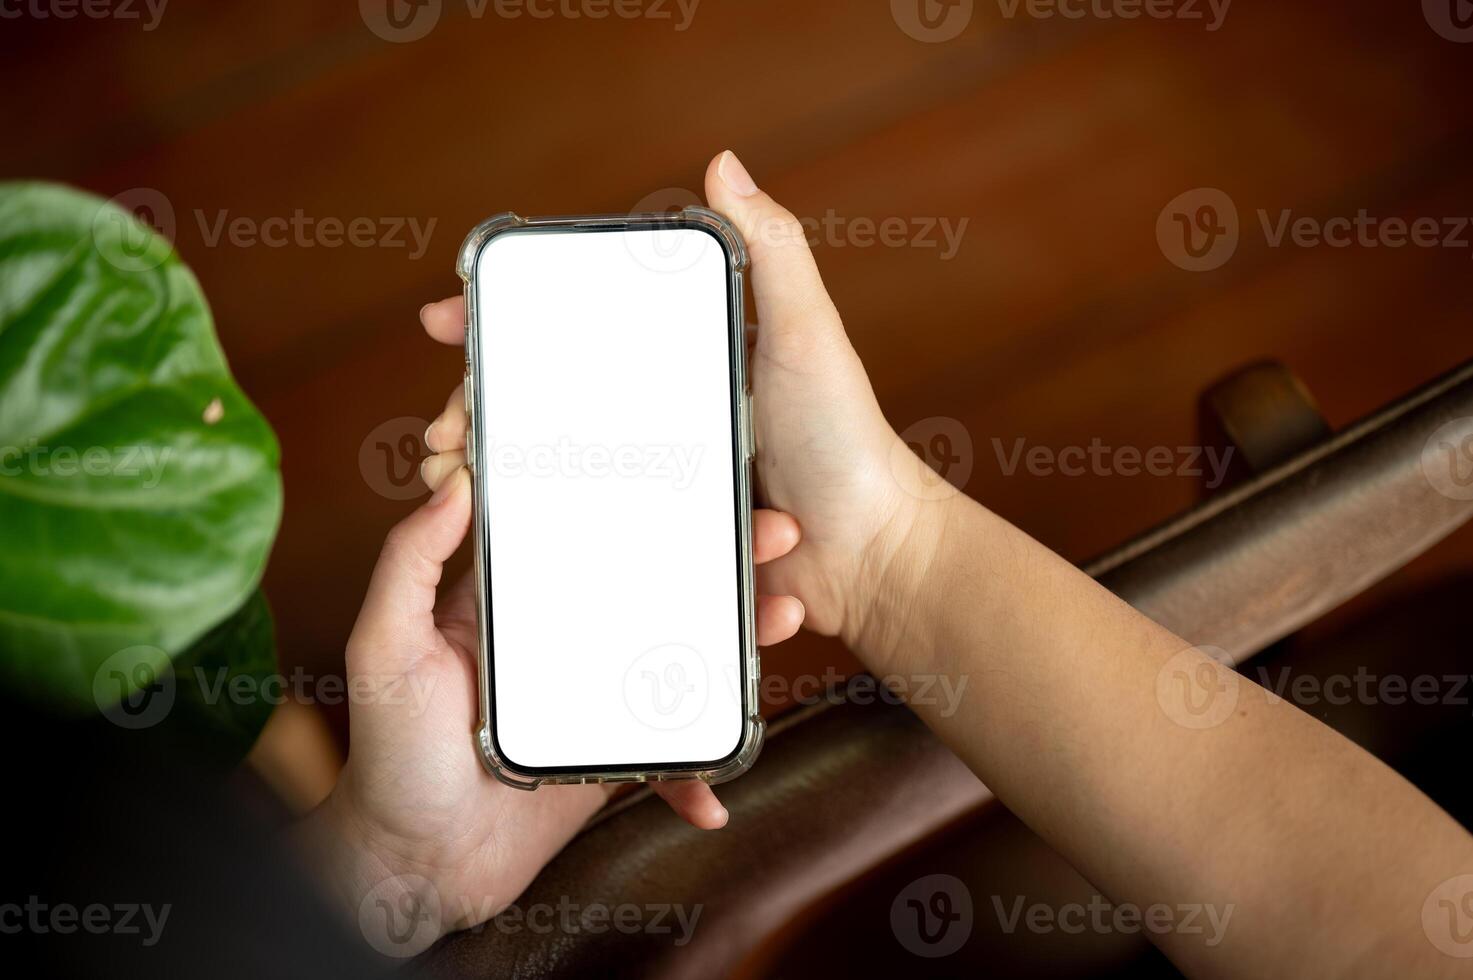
414 820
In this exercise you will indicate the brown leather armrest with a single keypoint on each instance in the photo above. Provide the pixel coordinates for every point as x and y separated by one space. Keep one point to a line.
840 789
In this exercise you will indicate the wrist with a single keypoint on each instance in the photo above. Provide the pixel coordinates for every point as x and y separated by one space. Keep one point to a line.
891 622
397 911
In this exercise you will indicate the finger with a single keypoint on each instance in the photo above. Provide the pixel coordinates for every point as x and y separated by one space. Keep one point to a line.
448 430
694 802
436 468
774 534
778 618
397 620
792 305
445 320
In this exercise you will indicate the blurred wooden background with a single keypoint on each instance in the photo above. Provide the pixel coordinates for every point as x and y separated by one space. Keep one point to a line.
1059 319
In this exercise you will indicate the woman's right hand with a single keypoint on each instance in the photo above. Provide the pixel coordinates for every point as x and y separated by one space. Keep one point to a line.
825 453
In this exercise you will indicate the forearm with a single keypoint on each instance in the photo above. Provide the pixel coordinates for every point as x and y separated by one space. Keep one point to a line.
1073 710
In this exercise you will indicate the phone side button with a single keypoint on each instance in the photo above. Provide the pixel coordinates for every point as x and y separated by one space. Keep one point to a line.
470 425
749 439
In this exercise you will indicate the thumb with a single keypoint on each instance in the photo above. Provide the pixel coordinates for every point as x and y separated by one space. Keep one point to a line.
793 307
397 623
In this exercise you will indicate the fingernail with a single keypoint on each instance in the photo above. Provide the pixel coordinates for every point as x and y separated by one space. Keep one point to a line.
735 176
725 818
429 430
447 487
422 311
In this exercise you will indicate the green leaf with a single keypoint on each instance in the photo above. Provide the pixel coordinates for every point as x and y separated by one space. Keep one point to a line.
139 489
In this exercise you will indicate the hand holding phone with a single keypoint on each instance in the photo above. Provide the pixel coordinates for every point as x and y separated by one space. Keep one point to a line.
610 445
413 802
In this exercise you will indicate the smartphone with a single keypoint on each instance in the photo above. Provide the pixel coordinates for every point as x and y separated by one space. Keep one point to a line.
610 448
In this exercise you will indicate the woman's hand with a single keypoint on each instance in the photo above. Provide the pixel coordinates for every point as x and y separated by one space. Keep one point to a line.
413 807
1072 719
414 822
825 453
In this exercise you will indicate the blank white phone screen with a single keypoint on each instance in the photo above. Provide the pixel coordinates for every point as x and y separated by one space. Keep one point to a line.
607 474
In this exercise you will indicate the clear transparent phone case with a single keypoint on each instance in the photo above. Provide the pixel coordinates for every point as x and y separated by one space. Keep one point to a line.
736 253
